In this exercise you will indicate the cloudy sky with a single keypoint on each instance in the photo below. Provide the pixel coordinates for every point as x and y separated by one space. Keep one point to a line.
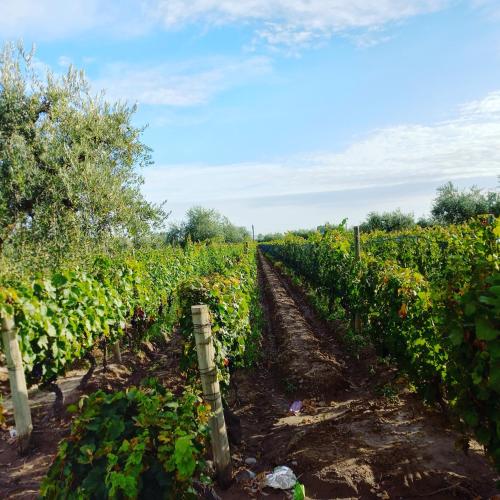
290 113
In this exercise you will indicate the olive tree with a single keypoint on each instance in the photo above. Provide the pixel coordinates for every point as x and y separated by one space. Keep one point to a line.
453 206
388 221
69 165
205 224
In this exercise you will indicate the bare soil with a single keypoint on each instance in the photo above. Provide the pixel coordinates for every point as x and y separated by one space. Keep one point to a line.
349 440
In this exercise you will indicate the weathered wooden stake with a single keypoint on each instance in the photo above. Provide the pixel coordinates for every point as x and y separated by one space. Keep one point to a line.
357 253
117 354
18 389
211 393
357 243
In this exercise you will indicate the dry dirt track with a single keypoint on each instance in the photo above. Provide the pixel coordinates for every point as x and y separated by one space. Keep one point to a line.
349 441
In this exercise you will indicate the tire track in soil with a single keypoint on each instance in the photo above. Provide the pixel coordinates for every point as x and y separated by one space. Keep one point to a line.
348 442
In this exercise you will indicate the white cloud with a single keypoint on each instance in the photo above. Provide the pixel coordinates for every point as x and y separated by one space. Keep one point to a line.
276 22
491 8
288 38
487 107
295 23
463 147
279 24
316 14
53 19
187 84
64 61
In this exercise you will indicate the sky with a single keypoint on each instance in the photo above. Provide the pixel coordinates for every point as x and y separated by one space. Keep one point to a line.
289 113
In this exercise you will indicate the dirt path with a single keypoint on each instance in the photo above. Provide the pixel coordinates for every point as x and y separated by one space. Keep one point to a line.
361 433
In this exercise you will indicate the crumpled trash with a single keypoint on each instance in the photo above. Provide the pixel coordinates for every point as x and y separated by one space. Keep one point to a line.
296 407
281 478
12 432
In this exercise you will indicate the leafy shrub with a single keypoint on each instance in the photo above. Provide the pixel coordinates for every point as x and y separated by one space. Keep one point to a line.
62 316
401 321
472 325
141 443
234 309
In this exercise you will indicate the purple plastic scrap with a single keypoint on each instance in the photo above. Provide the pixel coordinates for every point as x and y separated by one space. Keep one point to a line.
296 407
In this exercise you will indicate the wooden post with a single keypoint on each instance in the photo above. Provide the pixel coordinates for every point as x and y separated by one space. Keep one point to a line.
357 243
253 233
117 355
357 254
211 393
18 389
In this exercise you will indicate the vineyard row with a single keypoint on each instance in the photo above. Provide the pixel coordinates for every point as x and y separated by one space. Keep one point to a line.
429 298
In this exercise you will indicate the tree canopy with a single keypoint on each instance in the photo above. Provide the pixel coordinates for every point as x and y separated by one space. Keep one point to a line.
453 206
204 224
388 221
69 165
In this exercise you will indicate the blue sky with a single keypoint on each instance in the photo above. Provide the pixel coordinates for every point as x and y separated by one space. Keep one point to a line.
290 113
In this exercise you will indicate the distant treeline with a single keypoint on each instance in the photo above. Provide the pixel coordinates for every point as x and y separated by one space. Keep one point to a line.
451 206
204 224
